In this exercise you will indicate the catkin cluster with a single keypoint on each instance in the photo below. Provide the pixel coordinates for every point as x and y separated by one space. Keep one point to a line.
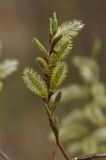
52 62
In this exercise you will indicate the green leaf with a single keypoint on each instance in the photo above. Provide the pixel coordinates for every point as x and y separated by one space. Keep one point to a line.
56 126
55 99
40 46
58 75
58 97
48 112
35 83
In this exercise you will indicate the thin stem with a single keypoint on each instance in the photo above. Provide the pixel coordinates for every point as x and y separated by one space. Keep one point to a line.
54 151
91 157
3 155
57 140
62 149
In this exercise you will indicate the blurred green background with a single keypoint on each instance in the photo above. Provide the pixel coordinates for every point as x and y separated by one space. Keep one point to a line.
23 124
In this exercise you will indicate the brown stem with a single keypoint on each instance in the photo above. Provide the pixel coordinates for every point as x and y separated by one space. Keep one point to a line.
54 151
61 148
91 157
57 139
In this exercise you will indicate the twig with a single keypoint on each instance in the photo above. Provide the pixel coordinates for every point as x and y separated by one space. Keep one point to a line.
54 151
91 157
57 140
3 155
62 149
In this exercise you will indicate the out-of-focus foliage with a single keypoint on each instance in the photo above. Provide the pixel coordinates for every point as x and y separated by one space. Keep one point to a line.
7 67
84 128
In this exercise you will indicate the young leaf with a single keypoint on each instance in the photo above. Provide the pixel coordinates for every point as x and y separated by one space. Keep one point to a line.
57 98
40 46
35 83
58 75
56 126
48 111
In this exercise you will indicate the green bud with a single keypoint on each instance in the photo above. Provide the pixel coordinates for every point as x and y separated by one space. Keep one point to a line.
40 46
54 23
43 63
